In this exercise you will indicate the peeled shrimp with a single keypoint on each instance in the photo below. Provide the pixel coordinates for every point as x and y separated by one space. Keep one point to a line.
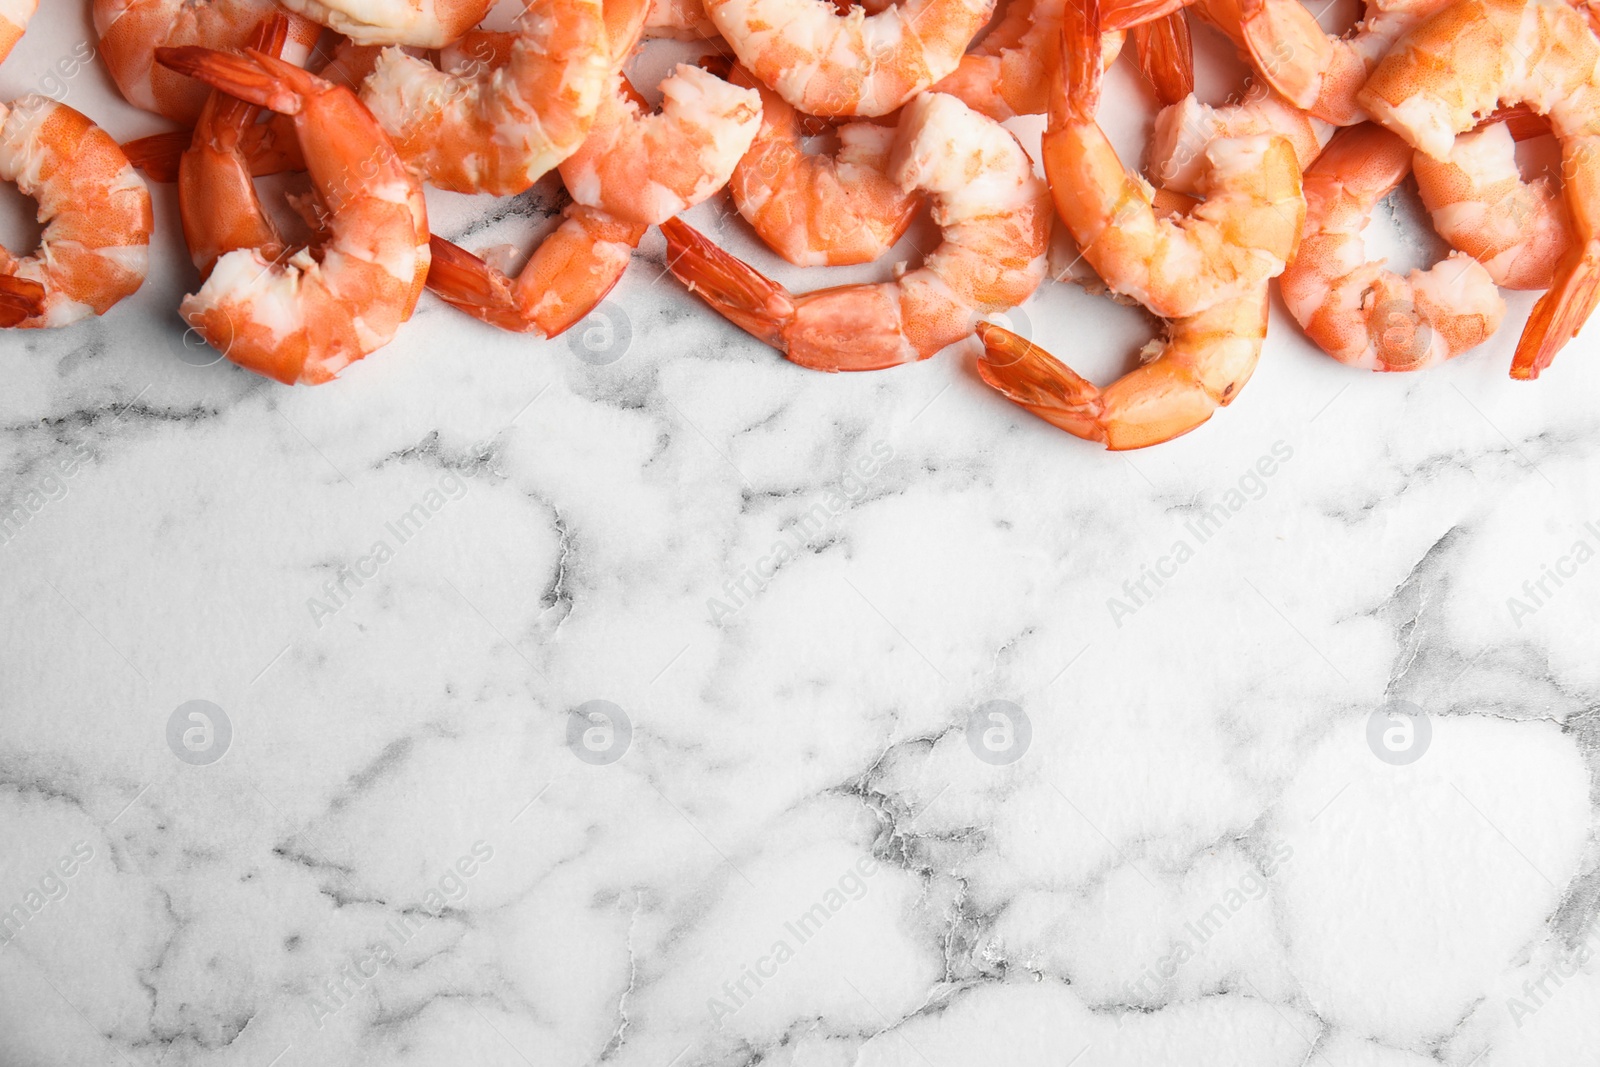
1479 203
635 170
1239 237
130 31
995 216
1479 53
14 15
1355 310
1319 71
1202 364
420 23
95 248
832 64
498 129
305 318
817 209
1183 131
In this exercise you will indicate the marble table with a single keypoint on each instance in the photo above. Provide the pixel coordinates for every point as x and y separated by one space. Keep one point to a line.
638 697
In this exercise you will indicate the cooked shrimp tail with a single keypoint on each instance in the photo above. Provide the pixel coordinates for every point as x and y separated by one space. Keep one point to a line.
1166 56
158 155
1561 312
1030 377
742 295
20 299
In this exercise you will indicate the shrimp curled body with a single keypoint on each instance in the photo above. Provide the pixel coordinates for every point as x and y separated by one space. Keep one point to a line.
1358 312
995 218
831 64
305 318
95 248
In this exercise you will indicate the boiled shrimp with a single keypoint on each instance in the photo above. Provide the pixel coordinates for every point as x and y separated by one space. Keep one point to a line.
1201 365
95 248
1009 71
854 64
1479 202
498 129
419 23
1183 131
635 170
304 318
130 31
1318 71
14 16
1355 310
1239 237
1477 54
815 209
995 218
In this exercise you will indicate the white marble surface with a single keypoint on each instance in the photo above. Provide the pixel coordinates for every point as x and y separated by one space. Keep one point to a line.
1198 859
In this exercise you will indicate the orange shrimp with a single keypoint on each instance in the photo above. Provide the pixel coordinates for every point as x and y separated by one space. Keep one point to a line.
14 16
995 217
816 209
831 64
1475 55
635 170
130 31
419 23
499 129
1358 312
1202 364
1238 238
303 318
95 248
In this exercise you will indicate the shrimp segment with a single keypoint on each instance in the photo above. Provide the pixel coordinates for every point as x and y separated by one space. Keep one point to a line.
130 31
995 217
635 170
831 64
1201 366
1358 312
14 16
1479 203
95 248
305 318
1475 55
1232 243
499 129
1321 72
419 23
815 210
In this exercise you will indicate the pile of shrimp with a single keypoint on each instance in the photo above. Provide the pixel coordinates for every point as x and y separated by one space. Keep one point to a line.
374 101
